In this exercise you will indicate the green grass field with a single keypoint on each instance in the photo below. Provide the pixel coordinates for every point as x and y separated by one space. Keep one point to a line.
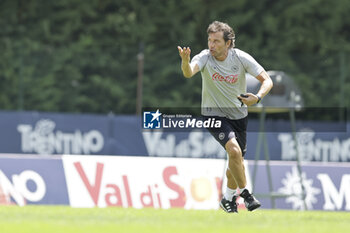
62 219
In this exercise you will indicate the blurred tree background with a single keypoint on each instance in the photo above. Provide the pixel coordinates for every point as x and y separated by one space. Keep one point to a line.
81 55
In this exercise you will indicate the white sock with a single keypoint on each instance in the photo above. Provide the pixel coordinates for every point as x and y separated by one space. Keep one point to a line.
230 193
242 189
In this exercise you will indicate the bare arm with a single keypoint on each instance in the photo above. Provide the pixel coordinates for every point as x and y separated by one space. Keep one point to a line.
187 70
266 85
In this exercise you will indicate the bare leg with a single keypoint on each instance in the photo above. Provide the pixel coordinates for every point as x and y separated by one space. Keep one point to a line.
231 182
235 165
237 171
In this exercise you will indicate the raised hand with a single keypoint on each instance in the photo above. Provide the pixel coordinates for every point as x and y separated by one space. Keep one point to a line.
184 53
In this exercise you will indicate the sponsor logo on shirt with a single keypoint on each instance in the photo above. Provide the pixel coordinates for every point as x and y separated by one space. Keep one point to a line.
229 79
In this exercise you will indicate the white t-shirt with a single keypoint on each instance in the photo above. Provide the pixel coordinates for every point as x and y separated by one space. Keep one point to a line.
223 81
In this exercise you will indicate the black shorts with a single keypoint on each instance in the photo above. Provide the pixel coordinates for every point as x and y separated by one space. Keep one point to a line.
231 129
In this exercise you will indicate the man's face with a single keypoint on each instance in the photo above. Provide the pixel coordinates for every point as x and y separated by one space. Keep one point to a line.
217 46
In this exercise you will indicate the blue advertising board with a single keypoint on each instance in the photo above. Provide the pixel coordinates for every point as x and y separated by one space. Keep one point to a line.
32 180
52 133
88 134
326 185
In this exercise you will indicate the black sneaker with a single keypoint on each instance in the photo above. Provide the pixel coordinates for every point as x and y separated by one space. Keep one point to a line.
229 206
250 201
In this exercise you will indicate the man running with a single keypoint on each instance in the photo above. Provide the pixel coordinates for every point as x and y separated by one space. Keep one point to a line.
223 69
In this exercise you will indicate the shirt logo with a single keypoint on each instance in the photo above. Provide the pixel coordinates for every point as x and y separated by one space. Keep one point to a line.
229 79
221 136
235 68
